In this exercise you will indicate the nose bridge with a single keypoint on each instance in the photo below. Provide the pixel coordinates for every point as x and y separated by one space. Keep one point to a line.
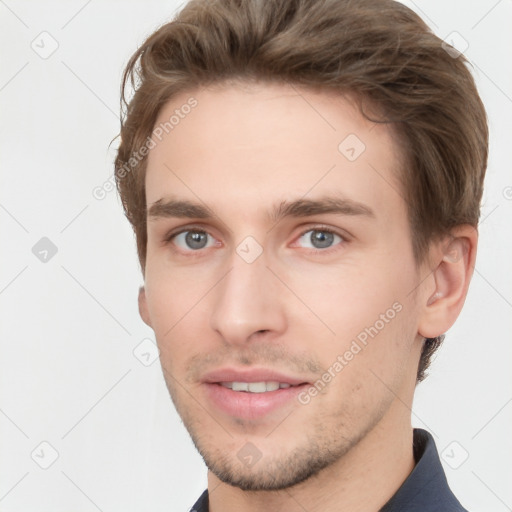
246 301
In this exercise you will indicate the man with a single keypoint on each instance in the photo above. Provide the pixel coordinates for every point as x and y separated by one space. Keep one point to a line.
304 181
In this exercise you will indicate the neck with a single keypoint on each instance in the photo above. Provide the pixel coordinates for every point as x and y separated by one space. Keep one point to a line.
364 479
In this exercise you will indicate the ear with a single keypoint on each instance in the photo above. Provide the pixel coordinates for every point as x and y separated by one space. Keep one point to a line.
143 306
454 261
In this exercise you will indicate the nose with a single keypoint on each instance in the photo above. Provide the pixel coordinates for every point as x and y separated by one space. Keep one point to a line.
247 302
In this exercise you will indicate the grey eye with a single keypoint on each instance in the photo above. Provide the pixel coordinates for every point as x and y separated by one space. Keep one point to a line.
194 240
319 239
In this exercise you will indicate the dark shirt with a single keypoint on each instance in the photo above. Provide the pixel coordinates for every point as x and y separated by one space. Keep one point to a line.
424 490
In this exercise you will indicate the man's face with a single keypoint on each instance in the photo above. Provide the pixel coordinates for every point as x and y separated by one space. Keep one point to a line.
280 280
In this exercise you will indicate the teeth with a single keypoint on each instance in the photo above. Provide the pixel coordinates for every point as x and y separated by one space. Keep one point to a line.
240 386
258 387
255 387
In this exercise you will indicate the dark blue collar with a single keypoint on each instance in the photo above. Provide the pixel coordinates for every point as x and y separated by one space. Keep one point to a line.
424 490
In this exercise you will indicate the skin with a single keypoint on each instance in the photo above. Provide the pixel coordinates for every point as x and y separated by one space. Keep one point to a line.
295 309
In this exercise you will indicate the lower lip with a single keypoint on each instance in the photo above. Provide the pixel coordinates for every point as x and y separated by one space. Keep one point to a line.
246 405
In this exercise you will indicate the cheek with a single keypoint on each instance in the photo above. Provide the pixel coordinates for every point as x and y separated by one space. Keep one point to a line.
175 307
366 371
372 315
348 299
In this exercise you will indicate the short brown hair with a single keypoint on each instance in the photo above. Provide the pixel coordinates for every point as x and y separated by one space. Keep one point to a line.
379 50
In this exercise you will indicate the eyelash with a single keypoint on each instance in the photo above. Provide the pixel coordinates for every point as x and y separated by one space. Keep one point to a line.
324 229
170 236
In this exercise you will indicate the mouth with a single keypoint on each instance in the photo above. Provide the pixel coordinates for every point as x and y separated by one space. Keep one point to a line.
256 387
251 394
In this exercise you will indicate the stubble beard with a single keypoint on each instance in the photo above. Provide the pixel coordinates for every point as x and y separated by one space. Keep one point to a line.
321 448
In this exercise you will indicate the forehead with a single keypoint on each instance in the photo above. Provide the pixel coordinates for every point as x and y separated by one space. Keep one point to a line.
257 144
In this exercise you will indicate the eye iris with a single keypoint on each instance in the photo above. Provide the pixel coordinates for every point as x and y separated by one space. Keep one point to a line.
321 239
196 239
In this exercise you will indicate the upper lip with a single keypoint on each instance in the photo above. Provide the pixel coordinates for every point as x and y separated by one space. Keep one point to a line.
250 375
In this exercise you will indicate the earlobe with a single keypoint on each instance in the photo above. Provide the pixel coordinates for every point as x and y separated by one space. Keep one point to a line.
451 276
143 306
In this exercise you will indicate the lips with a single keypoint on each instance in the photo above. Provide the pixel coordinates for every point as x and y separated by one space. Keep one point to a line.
250 393
251 376
255 387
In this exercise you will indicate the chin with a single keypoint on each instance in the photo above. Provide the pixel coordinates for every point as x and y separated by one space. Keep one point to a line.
271 473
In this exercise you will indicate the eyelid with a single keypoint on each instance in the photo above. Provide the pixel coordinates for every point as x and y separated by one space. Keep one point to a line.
181 229
329 229
167 240
345 238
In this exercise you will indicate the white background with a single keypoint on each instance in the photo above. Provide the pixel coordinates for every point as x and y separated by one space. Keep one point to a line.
69 326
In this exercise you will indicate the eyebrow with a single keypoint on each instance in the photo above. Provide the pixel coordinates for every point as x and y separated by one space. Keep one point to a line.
298 208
